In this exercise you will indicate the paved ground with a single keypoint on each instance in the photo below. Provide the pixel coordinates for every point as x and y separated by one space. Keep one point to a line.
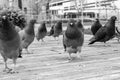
49 62
97 62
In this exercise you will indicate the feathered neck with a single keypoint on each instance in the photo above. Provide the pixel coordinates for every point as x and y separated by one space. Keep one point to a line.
72 33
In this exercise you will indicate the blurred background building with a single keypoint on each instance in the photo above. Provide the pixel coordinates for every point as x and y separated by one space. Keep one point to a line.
90 8
63 9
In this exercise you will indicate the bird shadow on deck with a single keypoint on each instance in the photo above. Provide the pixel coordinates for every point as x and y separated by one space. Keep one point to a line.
103 45
100 45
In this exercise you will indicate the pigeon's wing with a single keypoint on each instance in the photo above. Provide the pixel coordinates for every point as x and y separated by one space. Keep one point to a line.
100 34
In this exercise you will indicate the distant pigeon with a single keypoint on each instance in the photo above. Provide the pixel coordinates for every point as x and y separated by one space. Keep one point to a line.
73 38
79 25
27 35
57 29
105 33
42 31
95 26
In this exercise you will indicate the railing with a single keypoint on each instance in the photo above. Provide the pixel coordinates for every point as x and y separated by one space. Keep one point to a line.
86 20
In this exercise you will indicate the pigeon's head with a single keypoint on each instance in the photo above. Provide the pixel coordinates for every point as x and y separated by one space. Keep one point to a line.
4 18
3 14
59 24
71 23
96 19
79 24
113 18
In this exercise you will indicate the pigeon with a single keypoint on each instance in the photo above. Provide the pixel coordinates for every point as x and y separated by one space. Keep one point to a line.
73 38
79 25
95 26
27 35
9 43
42 31
106 32
57 29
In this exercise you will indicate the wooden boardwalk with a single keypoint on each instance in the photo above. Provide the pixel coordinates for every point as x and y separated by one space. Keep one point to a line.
48 62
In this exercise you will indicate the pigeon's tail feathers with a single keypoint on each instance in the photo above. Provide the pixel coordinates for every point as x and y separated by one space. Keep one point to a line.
93 40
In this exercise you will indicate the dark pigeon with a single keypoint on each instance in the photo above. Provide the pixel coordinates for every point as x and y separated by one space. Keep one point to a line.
27 35
57 29
105 33
9 42
79 25
73 38
42 31
95 26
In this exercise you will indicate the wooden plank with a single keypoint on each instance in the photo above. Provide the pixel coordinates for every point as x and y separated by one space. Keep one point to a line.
96 63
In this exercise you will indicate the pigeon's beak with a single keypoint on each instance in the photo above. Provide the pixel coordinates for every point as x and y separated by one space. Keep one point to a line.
4 17
71 24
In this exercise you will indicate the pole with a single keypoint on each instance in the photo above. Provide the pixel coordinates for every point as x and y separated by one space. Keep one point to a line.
10 3
81 11
20 4
118 17
106 12
77 8
99 9
96 8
